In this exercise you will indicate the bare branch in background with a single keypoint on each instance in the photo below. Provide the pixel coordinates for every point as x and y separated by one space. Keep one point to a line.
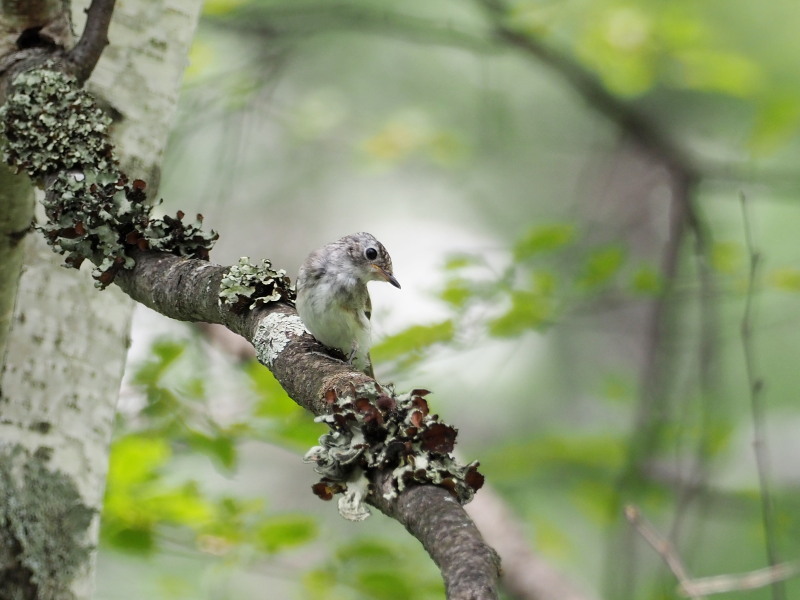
756 387
698 588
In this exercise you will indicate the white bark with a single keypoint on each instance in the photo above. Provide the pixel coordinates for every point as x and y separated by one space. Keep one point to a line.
67 346
16 211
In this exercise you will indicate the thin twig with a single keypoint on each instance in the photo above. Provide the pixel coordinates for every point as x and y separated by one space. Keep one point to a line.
87 51
756 386
698 588
721 584
664 548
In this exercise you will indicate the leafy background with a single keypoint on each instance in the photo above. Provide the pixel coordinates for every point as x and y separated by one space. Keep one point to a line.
529 236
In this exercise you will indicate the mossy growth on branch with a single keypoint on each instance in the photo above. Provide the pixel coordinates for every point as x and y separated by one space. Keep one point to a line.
246 286
52 125
45 523
372 428
59 137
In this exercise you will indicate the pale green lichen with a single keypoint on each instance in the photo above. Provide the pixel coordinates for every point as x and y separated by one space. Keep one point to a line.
56 133
274 333
43 528
372 428
246 286
51 125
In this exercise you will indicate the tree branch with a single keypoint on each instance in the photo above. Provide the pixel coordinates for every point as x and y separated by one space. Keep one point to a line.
756 386
187 290
437 520
303 20
698 588
87 51
632 122
98 214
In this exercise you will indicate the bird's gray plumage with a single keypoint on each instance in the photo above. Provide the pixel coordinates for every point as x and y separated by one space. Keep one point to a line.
332 296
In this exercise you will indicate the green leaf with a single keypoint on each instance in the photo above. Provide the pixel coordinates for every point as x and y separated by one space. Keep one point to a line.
221 448
184 505
718 71
320 583
594 456
415 339
221 7
544 238
134 459
457 292
383 584
165 353
298 431
776 124
601 266
529 310
786 279
194 387
127 539
367 549
647 281
273 401
727 257
285 531
161 402
459 261
619 44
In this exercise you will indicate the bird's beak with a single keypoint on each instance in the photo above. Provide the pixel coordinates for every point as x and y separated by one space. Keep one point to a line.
387 276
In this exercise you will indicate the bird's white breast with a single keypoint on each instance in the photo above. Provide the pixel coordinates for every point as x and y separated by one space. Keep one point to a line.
330 321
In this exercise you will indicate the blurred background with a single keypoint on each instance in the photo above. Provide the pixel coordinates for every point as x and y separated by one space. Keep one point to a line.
592 208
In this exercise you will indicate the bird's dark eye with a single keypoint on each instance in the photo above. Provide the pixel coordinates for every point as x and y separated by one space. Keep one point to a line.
371 253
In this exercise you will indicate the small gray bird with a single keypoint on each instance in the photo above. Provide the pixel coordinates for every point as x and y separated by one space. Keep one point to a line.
332 296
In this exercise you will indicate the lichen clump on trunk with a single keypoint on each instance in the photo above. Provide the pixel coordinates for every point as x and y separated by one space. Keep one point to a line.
59 137
43 538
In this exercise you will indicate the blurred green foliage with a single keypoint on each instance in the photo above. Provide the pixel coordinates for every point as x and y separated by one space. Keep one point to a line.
372 568
154 502
361 113
144 495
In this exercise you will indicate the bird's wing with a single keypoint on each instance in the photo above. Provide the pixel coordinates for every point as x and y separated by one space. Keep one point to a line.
368 308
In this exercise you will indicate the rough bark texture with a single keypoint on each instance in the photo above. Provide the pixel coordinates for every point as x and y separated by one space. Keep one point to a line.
68 345
16 213
183 289
437 520
187 289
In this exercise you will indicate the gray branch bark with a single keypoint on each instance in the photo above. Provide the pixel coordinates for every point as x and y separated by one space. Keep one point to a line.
186 289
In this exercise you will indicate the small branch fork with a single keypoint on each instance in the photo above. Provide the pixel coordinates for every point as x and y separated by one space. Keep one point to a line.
85 54
698 589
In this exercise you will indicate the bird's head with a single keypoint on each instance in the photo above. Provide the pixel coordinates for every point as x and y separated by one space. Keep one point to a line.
369 258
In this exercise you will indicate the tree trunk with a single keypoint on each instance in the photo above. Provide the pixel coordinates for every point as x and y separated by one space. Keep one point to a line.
67 344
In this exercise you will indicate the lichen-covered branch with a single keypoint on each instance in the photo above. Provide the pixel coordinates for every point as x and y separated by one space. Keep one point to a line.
437 520
96 213
187 289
